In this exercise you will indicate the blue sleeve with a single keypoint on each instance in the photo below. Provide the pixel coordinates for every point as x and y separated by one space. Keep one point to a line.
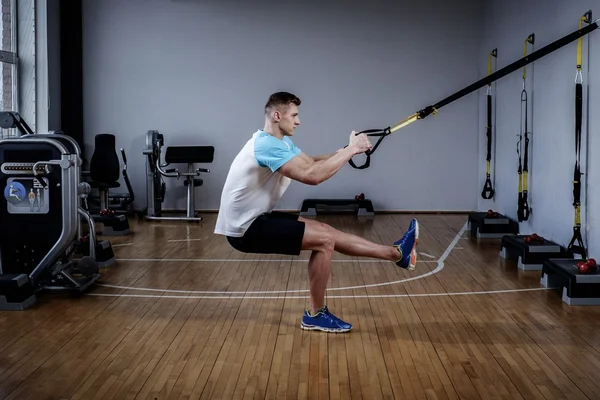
272 153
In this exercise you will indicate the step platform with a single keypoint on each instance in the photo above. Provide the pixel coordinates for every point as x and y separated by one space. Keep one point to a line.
491 225
530 254
360 207
16 292
114 225
577 289
105 256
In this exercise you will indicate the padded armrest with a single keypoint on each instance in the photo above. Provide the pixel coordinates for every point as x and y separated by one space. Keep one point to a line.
189 154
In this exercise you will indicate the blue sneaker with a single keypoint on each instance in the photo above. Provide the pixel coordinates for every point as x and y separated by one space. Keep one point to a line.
413 225
408 246
324 321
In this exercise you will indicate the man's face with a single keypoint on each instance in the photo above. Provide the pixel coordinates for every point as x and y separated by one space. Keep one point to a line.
288 119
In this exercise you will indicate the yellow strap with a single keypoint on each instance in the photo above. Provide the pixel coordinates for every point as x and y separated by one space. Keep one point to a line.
525 176
579 64
405 122
579 44
408 121
524 54
490 56
528 40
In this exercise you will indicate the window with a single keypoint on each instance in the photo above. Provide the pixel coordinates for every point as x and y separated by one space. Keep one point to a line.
8 62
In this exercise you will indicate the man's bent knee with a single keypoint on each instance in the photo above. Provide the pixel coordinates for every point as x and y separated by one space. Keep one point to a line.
325 243
318 236
328 242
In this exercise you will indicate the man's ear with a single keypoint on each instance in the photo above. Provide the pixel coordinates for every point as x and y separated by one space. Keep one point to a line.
276 116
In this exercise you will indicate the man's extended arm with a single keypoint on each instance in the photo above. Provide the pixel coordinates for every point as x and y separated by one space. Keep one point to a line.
323 157
304 169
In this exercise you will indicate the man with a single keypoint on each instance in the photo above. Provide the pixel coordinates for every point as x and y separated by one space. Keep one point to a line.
258 177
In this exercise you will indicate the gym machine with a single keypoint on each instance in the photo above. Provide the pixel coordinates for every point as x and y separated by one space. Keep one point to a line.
104 254
120 203
155 185
89 245
104 175
40 219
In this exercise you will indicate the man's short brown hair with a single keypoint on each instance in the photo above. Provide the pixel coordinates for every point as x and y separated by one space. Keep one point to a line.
279 99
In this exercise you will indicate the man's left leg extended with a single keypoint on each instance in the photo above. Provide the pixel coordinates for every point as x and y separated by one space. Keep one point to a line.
402 252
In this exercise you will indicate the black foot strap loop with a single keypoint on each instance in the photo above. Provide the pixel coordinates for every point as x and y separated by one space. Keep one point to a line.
488 191
578 248
523 210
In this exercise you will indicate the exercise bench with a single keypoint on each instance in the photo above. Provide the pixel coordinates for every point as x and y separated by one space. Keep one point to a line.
190 155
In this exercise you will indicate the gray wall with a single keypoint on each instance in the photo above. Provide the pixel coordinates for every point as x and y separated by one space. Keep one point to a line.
201 71
551 97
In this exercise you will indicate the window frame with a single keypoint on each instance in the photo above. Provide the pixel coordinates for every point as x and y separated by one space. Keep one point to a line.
12 58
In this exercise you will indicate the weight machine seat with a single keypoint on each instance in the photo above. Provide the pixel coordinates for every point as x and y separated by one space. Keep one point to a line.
104 164
104 185
197 182
189 154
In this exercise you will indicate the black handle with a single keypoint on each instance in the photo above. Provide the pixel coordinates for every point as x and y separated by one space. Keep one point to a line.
381 133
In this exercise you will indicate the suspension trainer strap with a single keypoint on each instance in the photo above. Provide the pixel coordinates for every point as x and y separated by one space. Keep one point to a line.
576 245
523 170
488 189
433 109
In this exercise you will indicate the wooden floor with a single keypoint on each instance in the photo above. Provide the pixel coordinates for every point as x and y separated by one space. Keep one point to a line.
184 316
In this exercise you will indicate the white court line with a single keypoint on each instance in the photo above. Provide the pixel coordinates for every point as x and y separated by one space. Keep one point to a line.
426 255
245 260
183 240
440 266
121 244
349 296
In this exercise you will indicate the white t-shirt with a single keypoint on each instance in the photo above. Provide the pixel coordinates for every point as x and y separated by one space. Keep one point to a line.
253 185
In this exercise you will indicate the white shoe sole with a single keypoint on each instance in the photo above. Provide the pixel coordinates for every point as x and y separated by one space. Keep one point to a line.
320 328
